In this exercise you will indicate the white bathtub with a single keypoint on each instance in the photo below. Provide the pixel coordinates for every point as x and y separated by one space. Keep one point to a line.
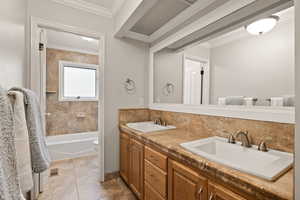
72 145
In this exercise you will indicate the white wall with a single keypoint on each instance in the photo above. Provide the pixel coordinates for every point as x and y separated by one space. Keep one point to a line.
12 43
168 67
297 76
124 58
263 66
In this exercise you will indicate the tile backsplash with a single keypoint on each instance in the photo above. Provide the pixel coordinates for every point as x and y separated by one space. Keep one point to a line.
279 136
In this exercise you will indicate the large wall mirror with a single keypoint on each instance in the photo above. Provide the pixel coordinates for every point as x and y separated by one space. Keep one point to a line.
249 66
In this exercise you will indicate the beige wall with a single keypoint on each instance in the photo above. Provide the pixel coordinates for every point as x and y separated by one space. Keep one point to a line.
71 110
12 43
297 76
123 58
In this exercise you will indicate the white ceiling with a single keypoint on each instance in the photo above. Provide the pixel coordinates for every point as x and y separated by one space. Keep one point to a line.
104 3
105 8
71 42
286 15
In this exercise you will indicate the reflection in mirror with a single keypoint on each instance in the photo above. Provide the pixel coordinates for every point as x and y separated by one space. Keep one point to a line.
240 67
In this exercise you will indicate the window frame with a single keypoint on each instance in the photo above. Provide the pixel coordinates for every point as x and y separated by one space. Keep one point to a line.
63 64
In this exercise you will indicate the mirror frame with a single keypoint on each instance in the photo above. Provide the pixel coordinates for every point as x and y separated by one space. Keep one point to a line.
261 113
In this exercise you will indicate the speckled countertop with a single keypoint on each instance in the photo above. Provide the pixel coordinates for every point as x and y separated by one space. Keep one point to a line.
169 142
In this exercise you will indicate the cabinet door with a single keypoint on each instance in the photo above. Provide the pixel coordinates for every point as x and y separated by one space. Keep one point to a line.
150 193
185 183
124 156
136 167
217 192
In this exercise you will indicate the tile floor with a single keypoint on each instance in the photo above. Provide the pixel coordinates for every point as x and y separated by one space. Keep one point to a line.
77 179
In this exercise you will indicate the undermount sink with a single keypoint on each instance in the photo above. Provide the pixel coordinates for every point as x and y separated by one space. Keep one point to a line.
267 165
147 127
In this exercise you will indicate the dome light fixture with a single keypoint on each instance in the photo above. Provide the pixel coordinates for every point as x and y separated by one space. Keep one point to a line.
262 26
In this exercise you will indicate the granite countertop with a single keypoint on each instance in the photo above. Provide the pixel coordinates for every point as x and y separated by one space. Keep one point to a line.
169 141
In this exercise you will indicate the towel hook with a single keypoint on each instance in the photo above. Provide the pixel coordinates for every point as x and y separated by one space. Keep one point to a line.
129 86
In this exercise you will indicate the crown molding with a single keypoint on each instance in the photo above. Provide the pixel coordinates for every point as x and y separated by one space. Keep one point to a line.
88 7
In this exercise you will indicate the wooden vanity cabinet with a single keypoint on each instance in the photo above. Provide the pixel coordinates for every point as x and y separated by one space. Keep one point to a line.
155 168
131 163
124 156
217 192
136 167
151 175
185 183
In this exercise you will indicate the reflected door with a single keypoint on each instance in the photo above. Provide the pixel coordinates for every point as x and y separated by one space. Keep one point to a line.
194 81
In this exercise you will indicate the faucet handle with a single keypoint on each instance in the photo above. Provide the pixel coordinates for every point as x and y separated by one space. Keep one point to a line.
262 146
244 131
231 139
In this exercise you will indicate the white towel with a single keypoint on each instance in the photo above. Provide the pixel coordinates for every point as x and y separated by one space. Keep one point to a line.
231 100
288 100
22 142
250 101
276 101
40 157
9 180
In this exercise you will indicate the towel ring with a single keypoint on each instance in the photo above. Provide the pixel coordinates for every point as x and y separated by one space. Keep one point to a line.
168 89
129 86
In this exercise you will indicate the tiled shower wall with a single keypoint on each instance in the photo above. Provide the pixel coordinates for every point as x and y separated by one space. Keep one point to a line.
67 117
279 136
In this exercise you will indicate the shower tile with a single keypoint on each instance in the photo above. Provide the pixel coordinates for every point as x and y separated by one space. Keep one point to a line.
63 118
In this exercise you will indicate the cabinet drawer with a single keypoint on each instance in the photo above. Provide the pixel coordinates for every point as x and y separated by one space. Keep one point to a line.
156 178
156 158
151 194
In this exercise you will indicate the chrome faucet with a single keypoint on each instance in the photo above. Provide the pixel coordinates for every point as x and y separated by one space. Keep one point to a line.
244 138
159 121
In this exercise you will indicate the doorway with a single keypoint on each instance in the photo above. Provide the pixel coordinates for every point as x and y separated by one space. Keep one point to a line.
67 73
195 80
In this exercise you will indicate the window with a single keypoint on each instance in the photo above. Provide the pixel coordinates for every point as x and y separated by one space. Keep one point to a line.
78 82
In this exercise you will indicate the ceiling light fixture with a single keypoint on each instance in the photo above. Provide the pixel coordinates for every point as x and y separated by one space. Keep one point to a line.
262 26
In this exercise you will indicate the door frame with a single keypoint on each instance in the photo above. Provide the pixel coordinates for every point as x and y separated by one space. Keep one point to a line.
206 80
37 84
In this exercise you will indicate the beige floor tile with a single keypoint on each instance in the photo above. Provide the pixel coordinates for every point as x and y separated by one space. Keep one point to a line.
78 179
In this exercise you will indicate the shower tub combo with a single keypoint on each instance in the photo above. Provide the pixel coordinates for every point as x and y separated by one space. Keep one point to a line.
70 146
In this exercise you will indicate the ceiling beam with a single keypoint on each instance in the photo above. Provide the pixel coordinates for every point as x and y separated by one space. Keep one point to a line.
131 12
240 18
185 15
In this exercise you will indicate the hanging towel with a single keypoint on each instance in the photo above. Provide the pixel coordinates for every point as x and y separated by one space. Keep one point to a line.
40 158
277 101
21 142
231 100
9 181
289 100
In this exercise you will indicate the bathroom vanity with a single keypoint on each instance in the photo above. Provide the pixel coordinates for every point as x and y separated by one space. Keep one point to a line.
156 167
209 80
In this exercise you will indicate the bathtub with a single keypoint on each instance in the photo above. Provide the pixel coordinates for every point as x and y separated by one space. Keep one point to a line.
69 146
